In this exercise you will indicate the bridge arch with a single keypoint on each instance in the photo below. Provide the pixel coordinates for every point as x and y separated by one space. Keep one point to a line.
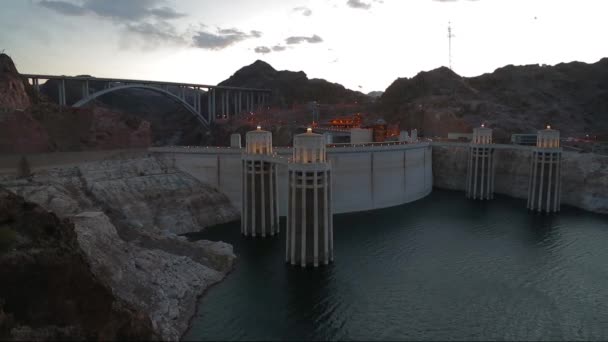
170 95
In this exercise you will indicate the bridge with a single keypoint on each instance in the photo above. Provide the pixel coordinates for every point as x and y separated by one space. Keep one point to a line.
199 99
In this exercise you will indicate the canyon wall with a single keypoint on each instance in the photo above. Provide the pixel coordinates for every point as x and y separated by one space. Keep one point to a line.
584 175
48 291
126 214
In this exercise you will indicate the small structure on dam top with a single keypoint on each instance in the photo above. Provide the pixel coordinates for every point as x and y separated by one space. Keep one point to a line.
309 238
260 205
414 136
544 188
480 170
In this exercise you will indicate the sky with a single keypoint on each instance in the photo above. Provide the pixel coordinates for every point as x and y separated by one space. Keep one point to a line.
363 44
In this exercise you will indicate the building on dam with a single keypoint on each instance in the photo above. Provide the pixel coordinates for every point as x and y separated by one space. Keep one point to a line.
309 237
260 204
544 187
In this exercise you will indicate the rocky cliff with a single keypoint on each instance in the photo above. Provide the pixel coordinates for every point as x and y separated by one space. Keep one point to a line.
584 175
514 99
12 87
48 290
127 213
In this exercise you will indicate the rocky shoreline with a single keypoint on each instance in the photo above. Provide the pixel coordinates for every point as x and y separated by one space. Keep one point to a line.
126 216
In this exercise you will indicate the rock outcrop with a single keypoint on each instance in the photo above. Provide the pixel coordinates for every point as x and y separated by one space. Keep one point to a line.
127 213
21 133
13 94
584 175
514 99
162 284
142 192
48 289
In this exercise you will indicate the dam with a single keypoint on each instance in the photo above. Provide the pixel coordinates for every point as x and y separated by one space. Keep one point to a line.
364 177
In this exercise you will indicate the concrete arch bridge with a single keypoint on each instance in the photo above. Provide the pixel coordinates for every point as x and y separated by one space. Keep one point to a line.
206 102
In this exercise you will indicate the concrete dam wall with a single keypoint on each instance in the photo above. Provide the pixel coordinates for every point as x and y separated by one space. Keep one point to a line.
584 175
364 177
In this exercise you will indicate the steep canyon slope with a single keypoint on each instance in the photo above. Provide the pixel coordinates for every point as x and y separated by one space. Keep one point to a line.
126 215
48 290
572 97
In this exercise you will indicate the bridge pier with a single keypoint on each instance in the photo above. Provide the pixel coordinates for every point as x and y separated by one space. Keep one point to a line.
309 237
222 104
197 100
210 95
36 85
480 171
62 100
226 104
258 102
85 89
235 103
214 103
260 206
544 187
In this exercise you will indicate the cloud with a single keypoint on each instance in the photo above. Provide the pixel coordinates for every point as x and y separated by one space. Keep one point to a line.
358 4
166 13
299 39
65 8
305 11
121 11
160 32
262 49
150 21
222 39
265 49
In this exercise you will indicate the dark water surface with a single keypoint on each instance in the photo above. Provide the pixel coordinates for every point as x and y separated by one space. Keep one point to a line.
440 268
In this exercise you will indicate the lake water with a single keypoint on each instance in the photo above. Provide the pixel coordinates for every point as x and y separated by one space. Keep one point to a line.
436 269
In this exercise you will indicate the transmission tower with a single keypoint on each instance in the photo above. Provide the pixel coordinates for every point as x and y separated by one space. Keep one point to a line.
450 36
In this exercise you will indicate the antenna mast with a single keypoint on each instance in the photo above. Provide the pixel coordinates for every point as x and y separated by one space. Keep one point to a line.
450 36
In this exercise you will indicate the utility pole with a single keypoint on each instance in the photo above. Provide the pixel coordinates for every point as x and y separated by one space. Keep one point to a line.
450 36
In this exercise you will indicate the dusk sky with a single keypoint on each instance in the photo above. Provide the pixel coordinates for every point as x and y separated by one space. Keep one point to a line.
362 44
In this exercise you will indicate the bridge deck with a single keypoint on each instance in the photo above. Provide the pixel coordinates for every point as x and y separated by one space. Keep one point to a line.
121 80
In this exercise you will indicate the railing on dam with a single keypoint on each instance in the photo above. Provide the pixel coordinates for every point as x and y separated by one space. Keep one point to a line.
495 146
337 147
